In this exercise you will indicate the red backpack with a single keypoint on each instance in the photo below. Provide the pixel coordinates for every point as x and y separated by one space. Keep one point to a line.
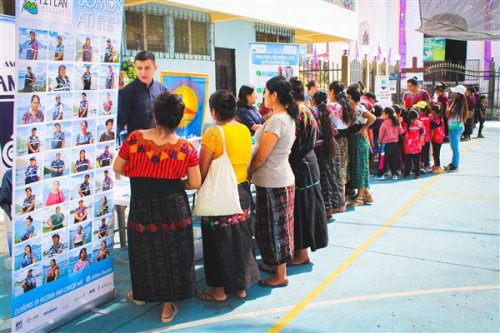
438 134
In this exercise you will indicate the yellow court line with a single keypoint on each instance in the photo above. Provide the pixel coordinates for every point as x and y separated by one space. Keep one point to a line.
289 316
463 196
345 300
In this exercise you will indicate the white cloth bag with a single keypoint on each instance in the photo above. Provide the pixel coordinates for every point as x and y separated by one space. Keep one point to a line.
218 196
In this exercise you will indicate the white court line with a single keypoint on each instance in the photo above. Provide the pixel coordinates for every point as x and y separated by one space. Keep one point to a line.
215 320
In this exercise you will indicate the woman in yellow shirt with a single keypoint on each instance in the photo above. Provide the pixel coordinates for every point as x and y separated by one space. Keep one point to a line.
229 261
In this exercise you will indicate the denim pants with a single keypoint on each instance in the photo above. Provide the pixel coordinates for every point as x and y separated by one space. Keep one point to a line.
455 135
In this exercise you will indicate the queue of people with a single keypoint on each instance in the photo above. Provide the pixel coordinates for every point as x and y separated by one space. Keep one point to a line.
308 159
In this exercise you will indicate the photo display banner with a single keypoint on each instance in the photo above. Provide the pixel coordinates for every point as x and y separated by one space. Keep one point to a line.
193 88
68 58
268 60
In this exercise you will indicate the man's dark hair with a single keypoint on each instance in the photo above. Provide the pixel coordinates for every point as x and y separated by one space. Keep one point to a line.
144 55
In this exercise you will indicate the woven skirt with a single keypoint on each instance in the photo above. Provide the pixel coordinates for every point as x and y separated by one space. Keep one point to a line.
274 224
228 254
161 250
344 160
359 157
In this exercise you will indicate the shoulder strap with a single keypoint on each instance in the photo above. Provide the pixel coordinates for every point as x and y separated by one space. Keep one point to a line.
223 140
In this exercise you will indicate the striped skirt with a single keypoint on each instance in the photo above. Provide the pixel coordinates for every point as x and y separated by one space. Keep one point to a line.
160 247
359 157
274 224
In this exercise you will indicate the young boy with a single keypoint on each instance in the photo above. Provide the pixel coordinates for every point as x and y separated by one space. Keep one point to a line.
481 115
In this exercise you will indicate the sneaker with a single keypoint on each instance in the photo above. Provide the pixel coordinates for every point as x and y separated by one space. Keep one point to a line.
395 177
427 169
381 178
452 169
422 170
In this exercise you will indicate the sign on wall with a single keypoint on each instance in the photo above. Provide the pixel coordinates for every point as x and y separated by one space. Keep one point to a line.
383 90
194 91
268 60
64 137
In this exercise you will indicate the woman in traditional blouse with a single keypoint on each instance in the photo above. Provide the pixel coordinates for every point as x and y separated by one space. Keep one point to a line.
229 261
275 183
29 257
56 196
160 230
52 272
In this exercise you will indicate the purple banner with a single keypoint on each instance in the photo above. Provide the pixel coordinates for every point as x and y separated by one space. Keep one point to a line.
487 43
402 33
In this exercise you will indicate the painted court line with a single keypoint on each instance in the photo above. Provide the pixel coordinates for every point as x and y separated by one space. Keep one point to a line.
362 298
289 316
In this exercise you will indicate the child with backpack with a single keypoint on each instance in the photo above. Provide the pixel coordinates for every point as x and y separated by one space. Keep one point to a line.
414 140
390 130
437 137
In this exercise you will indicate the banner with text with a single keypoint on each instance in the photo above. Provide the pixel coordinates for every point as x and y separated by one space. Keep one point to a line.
268 60
194 91
64 142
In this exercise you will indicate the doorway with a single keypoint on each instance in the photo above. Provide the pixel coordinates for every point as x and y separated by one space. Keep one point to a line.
225 69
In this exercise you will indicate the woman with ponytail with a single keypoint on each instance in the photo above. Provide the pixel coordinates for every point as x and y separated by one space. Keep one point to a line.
309 212
390 130
274 180
329 156
359 149
343 115
457 116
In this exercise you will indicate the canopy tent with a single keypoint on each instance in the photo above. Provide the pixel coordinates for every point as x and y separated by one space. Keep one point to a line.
461 19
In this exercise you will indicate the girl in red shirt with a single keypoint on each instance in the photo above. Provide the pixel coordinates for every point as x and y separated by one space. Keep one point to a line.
426 148
437 136
414 139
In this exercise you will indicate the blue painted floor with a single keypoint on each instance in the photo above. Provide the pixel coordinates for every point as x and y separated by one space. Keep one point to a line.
433 267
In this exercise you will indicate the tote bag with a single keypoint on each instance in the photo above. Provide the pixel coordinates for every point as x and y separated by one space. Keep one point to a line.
218 196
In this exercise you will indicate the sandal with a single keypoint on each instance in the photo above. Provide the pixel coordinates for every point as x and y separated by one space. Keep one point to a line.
368 198
359 201
131 298
169 319
206 296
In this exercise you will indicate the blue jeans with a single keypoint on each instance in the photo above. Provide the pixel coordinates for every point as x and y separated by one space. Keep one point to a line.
455 135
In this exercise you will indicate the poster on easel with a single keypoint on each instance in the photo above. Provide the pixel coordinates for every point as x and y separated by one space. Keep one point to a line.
67 57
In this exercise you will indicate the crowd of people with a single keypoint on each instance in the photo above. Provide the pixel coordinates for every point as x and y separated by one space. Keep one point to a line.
308 154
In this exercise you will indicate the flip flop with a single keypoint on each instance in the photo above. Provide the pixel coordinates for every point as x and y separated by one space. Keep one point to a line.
136 302
169 319
261 267
305 262
264 283
206 296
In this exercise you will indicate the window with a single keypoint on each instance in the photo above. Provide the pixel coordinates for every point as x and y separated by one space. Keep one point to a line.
191 37
155 33
134 30
266 33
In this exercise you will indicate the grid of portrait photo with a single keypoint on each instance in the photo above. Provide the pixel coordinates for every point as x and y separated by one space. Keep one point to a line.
65 145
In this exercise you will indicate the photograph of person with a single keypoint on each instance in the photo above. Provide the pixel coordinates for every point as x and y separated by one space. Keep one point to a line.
56 164
109 53
82 185
85 104
103 251
28 139
80 234
87 48
27 228
28 199
108 103
55 268
102 207
52 272
33 142
84 131
54 193
106 133
81 213
82 260
29 282
33 44
33 75
58 139
57 109
102 228
104 180
84 107
28 254
61 46
29 80
55 219
105 158
81 159
109 77
59 77
55 244
34 114
27 279
33 173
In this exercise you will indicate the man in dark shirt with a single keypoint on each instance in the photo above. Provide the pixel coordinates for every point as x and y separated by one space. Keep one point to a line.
85 186
87 78
29 80
136 99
